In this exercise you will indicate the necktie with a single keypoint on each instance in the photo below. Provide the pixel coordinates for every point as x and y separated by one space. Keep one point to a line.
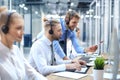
52 55
65 47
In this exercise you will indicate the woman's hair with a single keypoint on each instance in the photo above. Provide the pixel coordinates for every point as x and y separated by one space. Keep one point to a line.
4 16
3 8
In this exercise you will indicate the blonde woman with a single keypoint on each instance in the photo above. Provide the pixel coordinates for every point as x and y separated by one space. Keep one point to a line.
2 9
13 65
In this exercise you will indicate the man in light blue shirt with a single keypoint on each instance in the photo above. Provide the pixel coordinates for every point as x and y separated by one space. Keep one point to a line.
68 25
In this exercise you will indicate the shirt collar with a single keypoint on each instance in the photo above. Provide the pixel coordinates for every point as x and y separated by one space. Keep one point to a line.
46 40
5 51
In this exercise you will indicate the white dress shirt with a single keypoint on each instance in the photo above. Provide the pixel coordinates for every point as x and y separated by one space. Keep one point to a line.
40 57
71 53
13 65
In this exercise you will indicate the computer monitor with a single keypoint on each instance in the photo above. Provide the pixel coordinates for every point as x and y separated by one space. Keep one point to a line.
114 50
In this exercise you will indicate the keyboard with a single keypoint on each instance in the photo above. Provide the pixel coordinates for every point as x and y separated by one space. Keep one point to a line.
83 70
85 58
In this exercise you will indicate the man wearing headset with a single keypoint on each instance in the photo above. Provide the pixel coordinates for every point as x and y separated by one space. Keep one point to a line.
68 26
71 21
42 55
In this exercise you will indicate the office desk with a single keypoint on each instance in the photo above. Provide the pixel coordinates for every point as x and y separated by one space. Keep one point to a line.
89 77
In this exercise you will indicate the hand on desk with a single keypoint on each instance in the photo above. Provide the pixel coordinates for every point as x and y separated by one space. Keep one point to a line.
72 66
75 65
81 62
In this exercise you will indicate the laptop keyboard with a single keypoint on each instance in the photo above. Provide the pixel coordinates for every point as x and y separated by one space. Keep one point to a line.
86 58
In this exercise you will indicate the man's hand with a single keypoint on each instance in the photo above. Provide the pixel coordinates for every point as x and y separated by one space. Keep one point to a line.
91 48
75 66
75 61
81 62
65 58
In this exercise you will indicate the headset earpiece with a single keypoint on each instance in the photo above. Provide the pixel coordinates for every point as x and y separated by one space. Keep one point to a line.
67 22
70 15
51 31
5 28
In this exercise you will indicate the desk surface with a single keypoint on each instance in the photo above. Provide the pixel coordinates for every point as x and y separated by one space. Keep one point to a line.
53 77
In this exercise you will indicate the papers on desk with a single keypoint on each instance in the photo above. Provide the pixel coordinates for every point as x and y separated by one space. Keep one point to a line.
70 74
83 70
109 76
90 63
92 58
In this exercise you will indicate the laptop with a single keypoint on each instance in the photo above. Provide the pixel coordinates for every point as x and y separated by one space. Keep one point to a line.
89 58
83 70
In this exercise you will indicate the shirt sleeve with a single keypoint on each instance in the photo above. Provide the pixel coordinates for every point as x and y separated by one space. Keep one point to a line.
58 49
61 61
40 61
31 73
76 45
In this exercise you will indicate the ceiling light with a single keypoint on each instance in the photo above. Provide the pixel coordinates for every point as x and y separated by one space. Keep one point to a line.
70 10
22 5
72 4
36 12
91 10
87 12
25 8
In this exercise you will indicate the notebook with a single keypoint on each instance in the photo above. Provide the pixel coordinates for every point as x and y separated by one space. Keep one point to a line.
70 75
85 58
83 70
89 59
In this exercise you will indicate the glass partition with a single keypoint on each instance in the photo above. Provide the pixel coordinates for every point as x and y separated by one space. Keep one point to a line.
101 21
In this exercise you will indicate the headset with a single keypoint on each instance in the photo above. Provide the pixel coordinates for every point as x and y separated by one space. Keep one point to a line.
51 24
5 27
77 29
70 15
